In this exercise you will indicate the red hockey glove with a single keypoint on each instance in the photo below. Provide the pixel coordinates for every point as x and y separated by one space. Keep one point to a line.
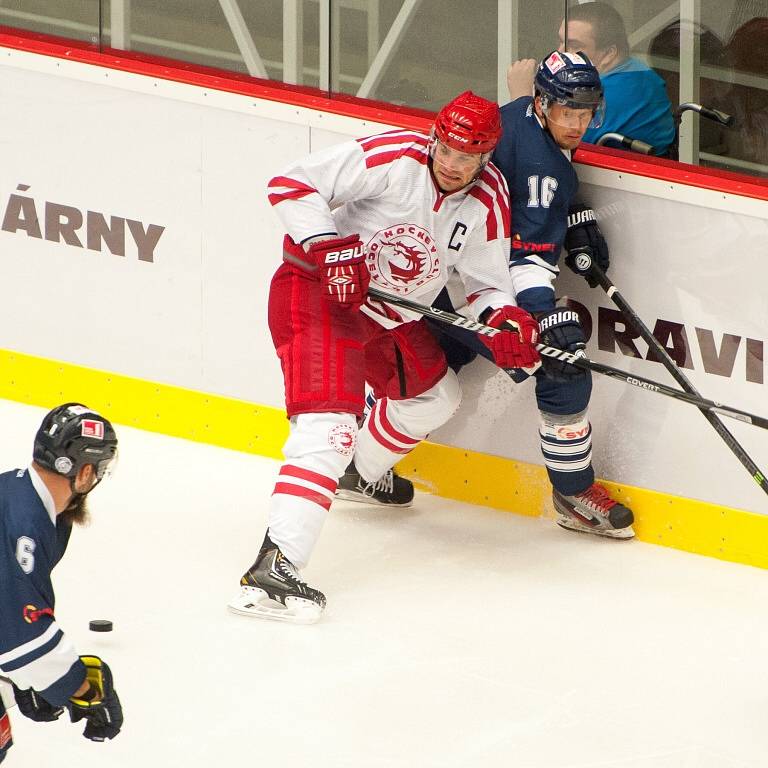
342 268
515 346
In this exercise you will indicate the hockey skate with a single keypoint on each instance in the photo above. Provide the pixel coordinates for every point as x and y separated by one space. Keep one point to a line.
593 511
272 589
390 490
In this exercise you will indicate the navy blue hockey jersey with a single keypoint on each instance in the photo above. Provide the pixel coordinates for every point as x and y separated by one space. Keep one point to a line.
542 184
34 652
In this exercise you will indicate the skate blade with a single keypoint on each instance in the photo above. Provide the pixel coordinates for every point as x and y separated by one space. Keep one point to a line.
608 533
256 603
361 498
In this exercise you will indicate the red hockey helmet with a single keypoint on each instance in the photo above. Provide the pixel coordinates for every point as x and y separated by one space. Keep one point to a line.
469 123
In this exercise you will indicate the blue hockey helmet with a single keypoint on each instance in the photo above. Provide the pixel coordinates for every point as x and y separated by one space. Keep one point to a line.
72 436
570 79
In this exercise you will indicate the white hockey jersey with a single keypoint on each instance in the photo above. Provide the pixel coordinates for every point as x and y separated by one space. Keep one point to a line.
416 236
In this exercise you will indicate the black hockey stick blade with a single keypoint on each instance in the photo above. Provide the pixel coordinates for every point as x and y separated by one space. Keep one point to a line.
580 361
662 354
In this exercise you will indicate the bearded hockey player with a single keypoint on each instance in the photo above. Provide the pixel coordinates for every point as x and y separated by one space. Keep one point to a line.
73 450
541 129
404 211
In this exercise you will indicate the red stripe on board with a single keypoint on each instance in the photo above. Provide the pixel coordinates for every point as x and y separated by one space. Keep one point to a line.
410 118
288 489
381 409
730 182
341 104
387 157
323 481
491 227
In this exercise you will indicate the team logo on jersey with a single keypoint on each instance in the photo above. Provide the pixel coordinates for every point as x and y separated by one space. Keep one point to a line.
91 428
32 613
403 257
342 439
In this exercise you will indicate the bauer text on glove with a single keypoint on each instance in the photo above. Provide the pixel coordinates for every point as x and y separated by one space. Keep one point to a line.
342 268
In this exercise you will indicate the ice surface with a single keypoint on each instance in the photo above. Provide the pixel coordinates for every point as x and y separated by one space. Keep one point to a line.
455 636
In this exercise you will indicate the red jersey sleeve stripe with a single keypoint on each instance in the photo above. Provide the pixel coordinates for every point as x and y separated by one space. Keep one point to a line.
472 296
492 177
491 225
386 138
295 194
371 161
286 181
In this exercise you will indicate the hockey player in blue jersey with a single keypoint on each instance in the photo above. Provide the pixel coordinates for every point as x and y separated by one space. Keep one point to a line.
540 131
73 450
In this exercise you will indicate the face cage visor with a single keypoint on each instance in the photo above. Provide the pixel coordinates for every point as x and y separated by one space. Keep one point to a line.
434 141
582 98
106 467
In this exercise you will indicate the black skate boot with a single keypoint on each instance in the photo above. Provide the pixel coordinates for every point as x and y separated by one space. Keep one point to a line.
594 511
390 490
272 589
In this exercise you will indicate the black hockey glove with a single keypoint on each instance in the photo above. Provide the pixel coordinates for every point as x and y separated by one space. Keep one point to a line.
32 705
100 705
560 328
585 243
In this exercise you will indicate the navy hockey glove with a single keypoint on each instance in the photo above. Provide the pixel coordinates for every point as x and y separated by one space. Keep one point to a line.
32 705
342 268
515 346
99 706
560 328
585 243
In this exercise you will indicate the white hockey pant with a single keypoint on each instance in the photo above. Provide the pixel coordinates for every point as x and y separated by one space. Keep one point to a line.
395 427
318 450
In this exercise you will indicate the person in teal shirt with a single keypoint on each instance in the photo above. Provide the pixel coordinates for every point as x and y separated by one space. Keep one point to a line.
636 101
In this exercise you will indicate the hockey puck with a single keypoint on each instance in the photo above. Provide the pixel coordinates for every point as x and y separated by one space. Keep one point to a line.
100 625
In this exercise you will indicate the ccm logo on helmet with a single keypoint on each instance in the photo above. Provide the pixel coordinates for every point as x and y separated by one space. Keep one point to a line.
334 257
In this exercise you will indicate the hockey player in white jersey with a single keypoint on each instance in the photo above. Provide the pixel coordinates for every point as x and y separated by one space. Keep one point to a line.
73 450
403 211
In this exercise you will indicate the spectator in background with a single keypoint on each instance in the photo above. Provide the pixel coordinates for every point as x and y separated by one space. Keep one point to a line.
712 93
747 53
636 101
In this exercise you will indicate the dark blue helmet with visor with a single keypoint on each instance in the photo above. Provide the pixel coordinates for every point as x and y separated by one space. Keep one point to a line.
571 80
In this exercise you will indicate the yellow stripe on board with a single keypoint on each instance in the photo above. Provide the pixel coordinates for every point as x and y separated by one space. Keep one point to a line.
170 410
454 473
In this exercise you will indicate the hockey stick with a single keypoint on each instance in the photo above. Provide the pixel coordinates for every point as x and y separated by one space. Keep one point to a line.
634 320
580 361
